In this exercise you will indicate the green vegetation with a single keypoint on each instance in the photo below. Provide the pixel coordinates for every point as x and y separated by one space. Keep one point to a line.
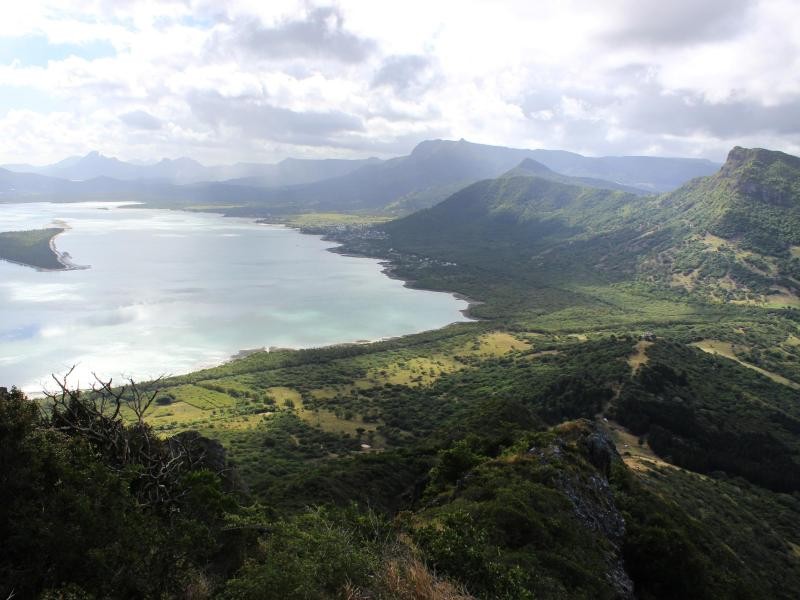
312 220
31 248
622 422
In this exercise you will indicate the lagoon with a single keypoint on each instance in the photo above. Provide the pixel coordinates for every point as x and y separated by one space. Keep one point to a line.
168 292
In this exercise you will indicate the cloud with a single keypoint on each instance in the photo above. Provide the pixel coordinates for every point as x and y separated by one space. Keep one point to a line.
405 73
678 22
687 113
256 117
139 119
320 34
255 81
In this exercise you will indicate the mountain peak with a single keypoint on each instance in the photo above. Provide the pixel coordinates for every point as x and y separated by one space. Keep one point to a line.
428 146
754 200
761 158
532 167
96 156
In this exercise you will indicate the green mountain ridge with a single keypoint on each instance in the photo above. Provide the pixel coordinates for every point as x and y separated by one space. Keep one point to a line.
731 234
755 199
736 229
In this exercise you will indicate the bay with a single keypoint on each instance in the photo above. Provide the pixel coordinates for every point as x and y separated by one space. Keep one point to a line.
169 292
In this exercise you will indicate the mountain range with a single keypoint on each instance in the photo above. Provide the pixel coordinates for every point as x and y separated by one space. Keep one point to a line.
184 170
434 170
734 234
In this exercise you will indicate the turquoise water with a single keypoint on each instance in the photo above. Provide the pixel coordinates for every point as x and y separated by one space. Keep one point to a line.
168 292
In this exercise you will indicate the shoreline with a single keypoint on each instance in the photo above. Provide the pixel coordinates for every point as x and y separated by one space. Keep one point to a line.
389 269
63 257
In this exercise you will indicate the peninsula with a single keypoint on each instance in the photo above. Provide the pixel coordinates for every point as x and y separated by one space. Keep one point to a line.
33 248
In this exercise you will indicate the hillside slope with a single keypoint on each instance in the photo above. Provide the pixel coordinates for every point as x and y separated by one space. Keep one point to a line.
532 168
734 235
737 233
530 227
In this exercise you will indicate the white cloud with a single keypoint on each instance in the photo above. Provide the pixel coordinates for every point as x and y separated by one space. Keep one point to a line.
361 78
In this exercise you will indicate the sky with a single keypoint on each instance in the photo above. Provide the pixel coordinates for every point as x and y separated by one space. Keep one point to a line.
255 81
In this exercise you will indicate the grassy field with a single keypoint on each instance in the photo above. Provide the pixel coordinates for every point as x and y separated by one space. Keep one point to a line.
240 401
728 350
639 357
312 220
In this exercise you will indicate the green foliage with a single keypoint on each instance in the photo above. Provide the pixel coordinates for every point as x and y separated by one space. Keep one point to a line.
710 414
312 555
490 496
660 542
31 248
70 519
453 463
459 548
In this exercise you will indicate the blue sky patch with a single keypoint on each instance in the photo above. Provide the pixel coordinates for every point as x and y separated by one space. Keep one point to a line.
20 333
36 50
28 98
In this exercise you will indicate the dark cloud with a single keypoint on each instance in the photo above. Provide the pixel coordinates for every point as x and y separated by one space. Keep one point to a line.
406 73
257 118
685 113
652 116
320 35
139 119
678 22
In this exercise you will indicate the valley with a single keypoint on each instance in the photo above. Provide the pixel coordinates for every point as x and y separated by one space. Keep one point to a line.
625 399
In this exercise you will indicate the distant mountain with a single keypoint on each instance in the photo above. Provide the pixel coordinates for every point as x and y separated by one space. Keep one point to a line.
293 171
21 185
433 171
186 170
30 187
652 173
532 168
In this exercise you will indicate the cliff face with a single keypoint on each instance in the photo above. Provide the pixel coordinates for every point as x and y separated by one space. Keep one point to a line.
763 176
590 493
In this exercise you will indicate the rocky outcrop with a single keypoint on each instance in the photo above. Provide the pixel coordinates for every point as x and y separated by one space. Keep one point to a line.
589 491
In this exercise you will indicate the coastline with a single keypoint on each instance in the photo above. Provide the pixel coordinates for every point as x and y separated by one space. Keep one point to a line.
389 269
63 257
